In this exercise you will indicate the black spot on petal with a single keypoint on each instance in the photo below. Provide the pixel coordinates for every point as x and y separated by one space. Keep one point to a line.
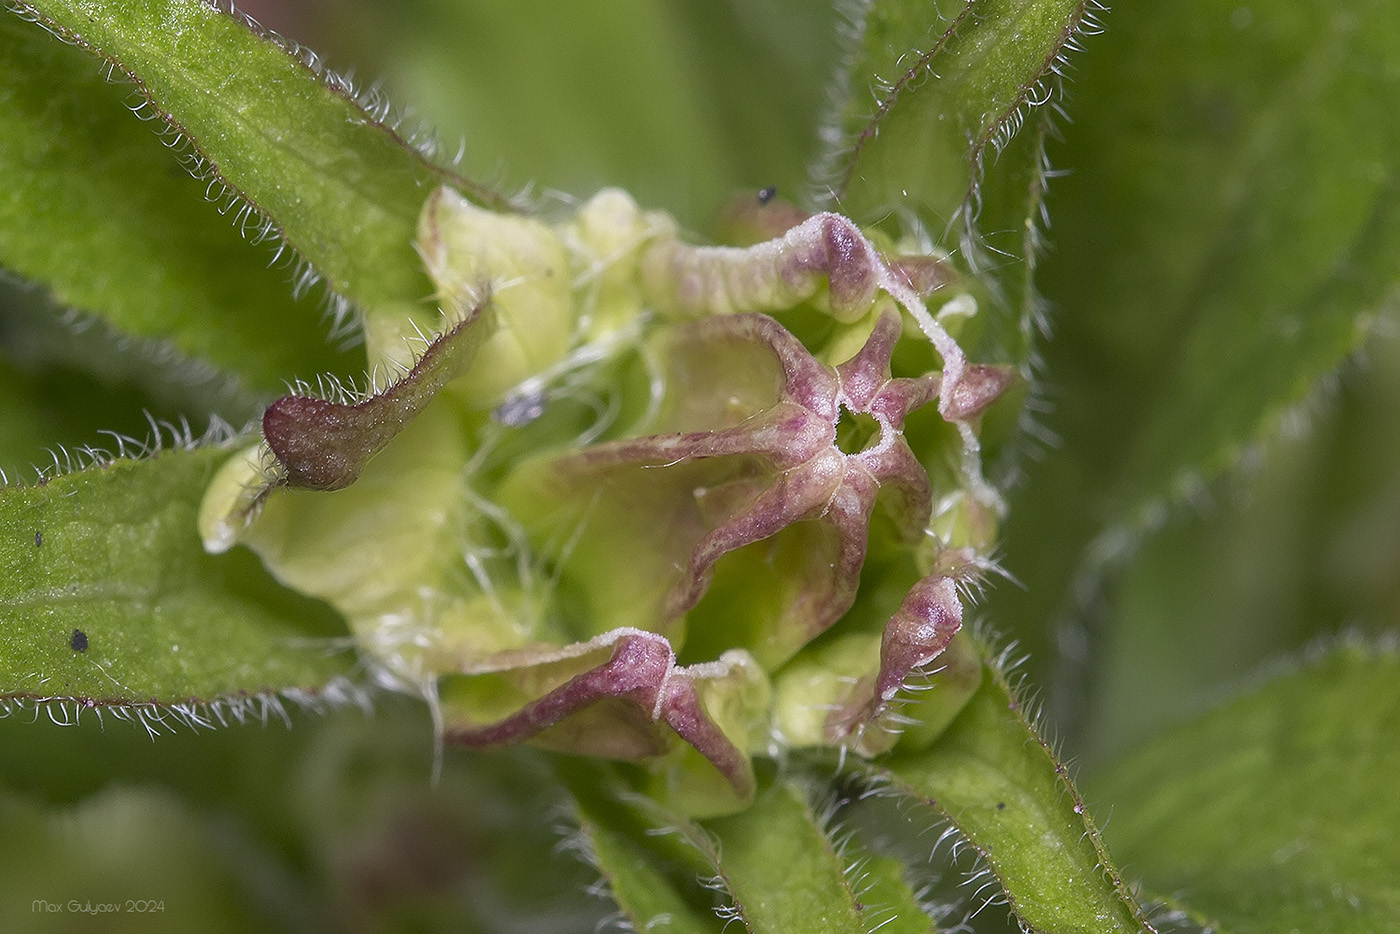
79 641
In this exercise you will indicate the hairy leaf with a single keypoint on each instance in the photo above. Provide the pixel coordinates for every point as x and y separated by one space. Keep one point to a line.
932 93
1228 233
1276 811
1002 787
651 871
885 899
1311 547
343 189
107 598
927 133
101 215
643 896
781 868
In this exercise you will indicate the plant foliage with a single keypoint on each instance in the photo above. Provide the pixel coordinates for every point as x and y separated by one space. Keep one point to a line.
699 525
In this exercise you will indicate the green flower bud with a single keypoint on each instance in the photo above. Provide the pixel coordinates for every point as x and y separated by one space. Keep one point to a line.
609 502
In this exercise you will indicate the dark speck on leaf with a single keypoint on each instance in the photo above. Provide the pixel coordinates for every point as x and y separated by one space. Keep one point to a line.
767 194
38 539
1001 805
79 641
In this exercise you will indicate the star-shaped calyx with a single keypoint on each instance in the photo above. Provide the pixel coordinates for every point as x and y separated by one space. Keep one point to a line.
745 528
759 460
812 477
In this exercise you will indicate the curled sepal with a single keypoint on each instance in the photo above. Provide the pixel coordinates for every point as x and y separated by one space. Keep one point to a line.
311 443
321 444
865 691
918 640
825 249
826 258
641 528
918 632
622 695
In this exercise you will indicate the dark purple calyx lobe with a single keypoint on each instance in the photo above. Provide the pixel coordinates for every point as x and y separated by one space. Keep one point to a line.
325 445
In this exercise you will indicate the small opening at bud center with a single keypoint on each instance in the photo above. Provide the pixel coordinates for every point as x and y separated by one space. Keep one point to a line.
856 432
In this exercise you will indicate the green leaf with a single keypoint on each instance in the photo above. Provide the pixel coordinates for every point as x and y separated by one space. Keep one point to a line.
1309 544
654 881
950 89
1230 230
643 894
107 597
782 869
343 189
994 778
773 867
1012 237
1277 811
1251 256
100 214
925 133
886 901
